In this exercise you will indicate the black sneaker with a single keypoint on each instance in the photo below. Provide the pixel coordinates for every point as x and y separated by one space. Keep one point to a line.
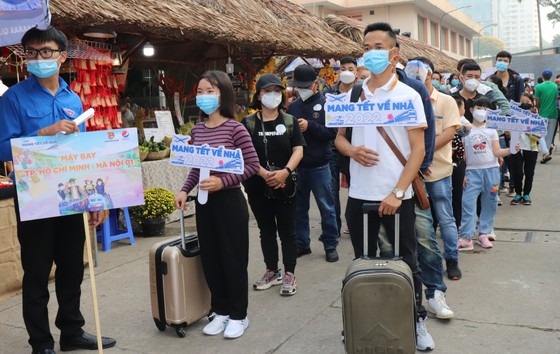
303 251
331 255
453 271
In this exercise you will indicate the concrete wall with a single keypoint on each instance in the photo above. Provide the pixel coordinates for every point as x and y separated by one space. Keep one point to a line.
534 64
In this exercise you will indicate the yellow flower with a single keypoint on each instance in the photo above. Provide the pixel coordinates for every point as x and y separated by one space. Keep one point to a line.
158 203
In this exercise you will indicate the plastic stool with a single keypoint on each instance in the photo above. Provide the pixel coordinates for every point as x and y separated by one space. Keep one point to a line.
110 231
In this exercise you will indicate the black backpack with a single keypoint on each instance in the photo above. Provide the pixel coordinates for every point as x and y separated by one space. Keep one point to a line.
344 161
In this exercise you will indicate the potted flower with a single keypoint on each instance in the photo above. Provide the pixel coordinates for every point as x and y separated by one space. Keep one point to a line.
158 203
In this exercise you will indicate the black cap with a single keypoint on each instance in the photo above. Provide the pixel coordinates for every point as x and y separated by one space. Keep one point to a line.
268 80
304 76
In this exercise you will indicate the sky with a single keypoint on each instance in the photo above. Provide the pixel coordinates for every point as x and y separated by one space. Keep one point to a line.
548 32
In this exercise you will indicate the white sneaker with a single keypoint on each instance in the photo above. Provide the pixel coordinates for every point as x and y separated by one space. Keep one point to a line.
216 326
491 236
235 328
424 340
438 306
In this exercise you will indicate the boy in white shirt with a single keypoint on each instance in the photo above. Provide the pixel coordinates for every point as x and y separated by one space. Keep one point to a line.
482 177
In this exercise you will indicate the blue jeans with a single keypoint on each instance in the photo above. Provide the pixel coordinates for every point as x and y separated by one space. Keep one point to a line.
335 186
318 181
429 254
484 182
441 194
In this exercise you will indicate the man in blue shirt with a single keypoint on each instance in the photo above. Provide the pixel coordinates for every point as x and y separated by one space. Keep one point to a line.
314 172
44 105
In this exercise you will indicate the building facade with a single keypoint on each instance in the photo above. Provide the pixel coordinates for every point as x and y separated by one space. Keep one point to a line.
514 22
434 22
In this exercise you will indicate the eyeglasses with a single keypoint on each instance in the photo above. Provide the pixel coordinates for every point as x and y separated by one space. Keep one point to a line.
46 53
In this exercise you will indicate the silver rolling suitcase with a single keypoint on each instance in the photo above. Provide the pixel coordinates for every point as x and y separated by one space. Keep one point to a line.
378 301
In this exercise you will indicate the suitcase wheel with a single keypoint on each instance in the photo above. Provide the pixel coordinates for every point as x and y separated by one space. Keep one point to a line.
160 325
181 332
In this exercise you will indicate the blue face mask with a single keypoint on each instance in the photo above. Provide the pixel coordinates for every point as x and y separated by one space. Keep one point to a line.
435 83
43 68
442 88
208 103
454 82
501 66
376 60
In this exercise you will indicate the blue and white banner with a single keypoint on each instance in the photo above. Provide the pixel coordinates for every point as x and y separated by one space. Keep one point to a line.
205 157
18 16
339 113
518 120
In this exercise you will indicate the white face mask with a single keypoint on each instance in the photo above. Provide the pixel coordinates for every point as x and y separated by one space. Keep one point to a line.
305 93
480 115
271 100
347 77
471 85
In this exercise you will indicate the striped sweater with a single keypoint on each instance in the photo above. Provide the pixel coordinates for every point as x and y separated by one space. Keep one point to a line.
230 135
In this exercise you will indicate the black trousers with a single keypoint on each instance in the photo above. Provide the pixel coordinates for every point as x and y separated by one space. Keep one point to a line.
408 246
44 241
276 216
524 163
457 179
223 232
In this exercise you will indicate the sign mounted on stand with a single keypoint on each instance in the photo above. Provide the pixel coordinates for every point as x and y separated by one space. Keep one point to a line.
18 16
69 174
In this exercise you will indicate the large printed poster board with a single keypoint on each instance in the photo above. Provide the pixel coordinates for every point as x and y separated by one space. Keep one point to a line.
68 174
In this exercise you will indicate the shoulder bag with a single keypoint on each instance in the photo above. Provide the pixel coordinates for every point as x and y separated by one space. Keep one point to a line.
417 184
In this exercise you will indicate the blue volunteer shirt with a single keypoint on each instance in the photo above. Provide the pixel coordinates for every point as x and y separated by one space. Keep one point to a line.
27 107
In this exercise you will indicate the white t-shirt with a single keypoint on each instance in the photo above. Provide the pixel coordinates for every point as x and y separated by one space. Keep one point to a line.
479 153
377 182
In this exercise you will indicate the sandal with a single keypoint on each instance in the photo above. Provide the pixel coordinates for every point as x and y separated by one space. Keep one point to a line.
546 159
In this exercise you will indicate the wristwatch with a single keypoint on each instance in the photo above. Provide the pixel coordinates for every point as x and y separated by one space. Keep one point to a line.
288 169
398 193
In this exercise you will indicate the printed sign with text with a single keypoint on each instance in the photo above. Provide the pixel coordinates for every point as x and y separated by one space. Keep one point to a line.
340 113
205 157
69 174
519 120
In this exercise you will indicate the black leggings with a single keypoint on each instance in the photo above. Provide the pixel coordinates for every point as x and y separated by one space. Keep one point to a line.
524 163
276 216
457 179
223 232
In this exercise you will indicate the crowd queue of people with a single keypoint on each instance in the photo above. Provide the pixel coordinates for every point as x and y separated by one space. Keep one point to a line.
465 166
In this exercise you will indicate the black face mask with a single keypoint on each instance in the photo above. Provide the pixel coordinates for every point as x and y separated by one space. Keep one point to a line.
526 106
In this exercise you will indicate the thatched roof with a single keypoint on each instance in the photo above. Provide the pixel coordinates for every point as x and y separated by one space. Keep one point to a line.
273 26
409 48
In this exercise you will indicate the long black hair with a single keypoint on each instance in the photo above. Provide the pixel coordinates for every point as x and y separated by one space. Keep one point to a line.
221 81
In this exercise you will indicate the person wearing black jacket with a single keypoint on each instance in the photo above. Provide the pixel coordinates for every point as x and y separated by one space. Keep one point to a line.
279 145
510 78
314 171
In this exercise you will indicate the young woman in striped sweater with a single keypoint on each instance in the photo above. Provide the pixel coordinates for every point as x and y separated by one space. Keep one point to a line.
223 222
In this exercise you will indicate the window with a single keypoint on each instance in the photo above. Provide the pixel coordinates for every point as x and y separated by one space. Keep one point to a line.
461 45
453 42
354 15
444 38
422 30
468 51
434 34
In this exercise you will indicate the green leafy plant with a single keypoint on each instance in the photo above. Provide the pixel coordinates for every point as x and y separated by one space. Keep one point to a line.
186 128
158 203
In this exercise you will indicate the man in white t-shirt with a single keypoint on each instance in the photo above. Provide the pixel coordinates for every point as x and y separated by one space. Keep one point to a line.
378 176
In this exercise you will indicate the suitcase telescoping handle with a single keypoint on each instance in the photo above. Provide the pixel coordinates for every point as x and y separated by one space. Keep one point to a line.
183 236
374 207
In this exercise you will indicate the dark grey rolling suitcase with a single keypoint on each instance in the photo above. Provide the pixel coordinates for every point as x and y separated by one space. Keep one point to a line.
378 301
178 289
